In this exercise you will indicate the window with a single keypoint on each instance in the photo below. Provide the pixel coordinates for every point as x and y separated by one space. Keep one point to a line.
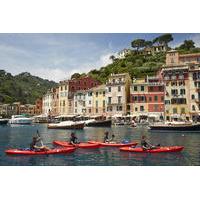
156 107
89 110
75 104
109 89
193 107
151 88
174 92
109 100
160 88
119 88
65 87
63 103
90 102
135 98
83 103
150 99
119 108
96 103
193 96
174 110
113 80
136 109
155 98
182 110
178 101
96 94
162 98
104 93
167 118
75 110
119 99
182 91
96 110
104 103
142 88
135 88
61 88
141 108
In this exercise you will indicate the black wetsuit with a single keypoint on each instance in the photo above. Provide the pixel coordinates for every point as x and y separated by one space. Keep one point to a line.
73 140
144 143
106 139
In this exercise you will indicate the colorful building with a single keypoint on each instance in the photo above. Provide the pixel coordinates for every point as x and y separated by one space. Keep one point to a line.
63 91
99 100
38 106
83 83
80 102
118 94
55 101
47 103
147 98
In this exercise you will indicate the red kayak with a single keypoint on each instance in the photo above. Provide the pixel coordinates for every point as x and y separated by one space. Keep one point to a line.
157 150
42 152
81 145
114 144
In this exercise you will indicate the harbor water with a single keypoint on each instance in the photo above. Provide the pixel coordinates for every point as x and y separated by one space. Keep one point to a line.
20 137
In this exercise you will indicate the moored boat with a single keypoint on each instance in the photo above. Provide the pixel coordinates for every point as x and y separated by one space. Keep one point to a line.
66 125
100 123
20 119
176 127
3 121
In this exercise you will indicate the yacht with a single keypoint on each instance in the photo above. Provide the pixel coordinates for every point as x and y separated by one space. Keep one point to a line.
20 119
3 121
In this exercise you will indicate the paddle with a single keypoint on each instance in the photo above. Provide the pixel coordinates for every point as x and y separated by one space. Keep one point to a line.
40 138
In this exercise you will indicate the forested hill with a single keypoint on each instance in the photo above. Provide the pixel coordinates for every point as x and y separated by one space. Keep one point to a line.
23 87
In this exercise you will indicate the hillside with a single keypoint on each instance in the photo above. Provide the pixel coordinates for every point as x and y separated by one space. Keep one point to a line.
23 87
137 66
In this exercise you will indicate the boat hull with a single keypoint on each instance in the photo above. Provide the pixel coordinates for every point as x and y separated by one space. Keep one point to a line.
104 123
195 127
74 126
3 122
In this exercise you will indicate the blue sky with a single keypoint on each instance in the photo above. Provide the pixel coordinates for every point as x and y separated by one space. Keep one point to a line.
57 56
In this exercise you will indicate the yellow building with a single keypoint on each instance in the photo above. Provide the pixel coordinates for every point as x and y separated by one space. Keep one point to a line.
138 97
63 98
99 100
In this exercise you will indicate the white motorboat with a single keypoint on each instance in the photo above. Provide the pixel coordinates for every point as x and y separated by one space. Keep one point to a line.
20 119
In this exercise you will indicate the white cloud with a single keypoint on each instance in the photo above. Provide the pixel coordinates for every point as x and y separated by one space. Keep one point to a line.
55 74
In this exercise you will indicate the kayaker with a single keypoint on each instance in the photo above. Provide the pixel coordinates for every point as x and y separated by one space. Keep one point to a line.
73 139
112 140
106 138
34 147
146 145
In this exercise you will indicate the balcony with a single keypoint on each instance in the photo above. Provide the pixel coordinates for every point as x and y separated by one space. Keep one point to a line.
115 83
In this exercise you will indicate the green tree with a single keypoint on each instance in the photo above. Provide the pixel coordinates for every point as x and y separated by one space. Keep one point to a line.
75 76
148 43
112 57
163 39
138 43
187 45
